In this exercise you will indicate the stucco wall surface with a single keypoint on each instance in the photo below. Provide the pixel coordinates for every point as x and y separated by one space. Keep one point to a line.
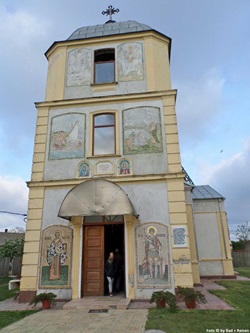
142 163
207 236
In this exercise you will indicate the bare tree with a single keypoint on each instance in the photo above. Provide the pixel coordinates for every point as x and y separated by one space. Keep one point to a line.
243 232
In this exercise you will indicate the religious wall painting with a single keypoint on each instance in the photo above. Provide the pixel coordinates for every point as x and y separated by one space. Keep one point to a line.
152 256
79 67
124 167
67 136
83 169
130 62
56 257
142 133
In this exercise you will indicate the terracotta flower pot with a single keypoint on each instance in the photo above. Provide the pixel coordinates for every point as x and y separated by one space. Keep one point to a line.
161 304
190 304
46 304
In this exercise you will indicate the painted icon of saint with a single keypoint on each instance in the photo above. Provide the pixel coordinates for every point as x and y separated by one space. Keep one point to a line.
56 256
153 258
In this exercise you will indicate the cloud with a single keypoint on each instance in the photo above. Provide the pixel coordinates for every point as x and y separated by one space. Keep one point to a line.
13 198
231 178
20 28
198 104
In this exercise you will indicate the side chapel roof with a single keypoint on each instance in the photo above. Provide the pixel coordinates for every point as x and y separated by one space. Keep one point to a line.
205 192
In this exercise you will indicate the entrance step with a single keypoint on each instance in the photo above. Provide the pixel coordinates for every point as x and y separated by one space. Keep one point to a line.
98 303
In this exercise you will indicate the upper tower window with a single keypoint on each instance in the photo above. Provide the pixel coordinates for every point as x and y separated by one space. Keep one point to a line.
104 66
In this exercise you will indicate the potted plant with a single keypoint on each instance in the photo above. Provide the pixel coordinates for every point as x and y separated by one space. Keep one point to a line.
47 299
191 296
161 298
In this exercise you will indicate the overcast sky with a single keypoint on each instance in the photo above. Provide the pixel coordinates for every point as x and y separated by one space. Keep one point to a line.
209 67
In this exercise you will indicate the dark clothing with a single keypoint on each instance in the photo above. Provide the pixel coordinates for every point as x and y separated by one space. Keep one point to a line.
110 268
118 276
118 260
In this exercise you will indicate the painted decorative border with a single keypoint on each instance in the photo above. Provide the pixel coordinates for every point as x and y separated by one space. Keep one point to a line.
152 256
56 257
124 167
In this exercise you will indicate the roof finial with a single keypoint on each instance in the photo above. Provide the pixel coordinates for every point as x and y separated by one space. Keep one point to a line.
110 11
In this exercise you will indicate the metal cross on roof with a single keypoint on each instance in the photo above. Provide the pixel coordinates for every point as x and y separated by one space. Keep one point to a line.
110 11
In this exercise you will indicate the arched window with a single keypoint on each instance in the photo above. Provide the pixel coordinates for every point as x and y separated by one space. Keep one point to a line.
104 66
104 134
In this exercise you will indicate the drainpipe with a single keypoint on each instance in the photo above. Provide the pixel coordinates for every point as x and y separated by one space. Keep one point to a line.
223 231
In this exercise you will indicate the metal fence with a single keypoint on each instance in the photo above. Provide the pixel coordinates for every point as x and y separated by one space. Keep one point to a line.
241 259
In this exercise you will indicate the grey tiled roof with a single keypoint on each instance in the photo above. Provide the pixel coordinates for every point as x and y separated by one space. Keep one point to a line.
205 192
107 29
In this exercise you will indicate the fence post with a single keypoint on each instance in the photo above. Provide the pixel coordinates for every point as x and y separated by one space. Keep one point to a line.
17 266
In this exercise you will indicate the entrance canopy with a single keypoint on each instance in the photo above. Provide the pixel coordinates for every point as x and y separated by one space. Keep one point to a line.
96 197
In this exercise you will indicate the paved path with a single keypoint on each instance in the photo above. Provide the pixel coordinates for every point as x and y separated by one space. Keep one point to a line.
131 320
81 321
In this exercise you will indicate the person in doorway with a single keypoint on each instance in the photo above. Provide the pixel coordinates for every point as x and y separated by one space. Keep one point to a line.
110 271
118 276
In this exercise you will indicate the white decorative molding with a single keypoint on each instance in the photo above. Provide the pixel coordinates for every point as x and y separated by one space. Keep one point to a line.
104 168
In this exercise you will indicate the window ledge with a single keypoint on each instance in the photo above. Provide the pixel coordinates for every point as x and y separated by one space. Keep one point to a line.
103 156
104 86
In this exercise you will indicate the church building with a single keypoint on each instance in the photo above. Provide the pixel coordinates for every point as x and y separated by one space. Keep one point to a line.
107 174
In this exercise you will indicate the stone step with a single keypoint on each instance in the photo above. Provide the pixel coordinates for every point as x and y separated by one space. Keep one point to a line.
98 303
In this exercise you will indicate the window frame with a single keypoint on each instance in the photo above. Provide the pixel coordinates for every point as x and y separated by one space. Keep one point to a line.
103 126
104 62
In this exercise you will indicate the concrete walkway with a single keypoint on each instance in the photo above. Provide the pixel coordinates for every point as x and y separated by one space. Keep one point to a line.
109 316
74 321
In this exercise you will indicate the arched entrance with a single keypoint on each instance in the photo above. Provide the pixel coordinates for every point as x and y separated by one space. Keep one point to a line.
102 204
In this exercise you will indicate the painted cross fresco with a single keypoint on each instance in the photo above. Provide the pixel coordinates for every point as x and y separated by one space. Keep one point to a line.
152 256
67 136
142 132
56 257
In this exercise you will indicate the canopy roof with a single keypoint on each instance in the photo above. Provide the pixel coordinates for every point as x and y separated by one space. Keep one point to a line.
96 197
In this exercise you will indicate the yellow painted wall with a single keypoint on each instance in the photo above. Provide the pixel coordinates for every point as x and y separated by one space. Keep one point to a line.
32 240
193 249
178 216
157 63
227 260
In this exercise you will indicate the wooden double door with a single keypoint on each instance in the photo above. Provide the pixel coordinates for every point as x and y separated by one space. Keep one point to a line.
98 241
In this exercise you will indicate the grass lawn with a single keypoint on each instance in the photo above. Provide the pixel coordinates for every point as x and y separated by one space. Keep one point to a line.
5 293
9 317
199 321
244 271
